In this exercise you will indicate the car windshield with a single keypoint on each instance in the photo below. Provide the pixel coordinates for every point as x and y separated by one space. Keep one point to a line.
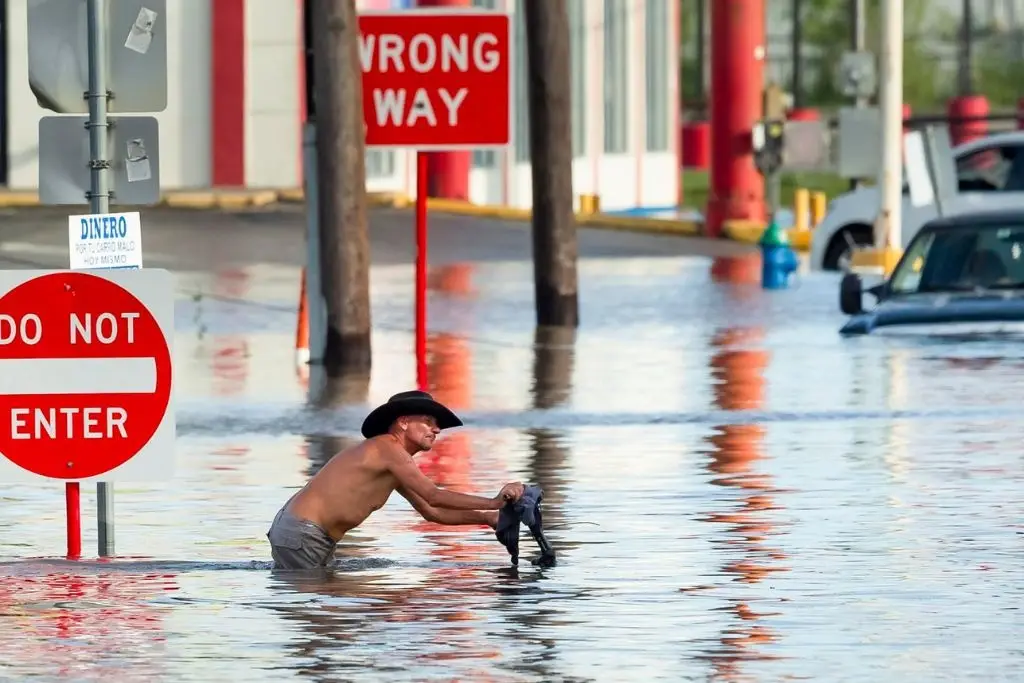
963 260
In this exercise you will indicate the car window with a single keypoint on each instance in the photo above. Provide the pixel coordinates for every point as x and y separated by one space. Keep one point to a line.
991 257
907 277
986 170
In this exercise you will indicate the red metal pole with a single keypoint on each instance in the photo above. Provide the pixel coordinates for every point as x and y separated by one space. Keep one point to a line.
421 271
449 170
735 92
72 501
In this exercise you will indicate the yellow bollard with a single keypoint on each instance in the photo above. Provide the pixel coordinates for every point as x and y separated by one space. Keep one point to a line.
590 204
819 207
801 208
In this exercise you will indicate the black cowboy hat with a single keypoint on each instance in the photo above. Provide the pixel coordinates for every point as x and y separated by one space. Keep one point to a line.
408 403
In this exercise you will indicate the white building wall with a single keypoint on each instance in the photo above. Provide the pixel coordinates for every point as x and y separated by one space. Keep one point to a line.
184 125
615 163
658 174
274 93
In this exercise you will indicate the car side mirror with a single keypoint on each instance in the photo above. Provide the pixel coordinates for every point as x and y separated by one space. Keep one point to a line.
850 291
878 291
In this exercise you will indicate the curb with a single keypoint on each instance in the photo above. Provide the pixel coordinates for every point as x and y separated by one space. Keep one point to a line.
748 232
17 199
183 199
233 200
229 200
662 226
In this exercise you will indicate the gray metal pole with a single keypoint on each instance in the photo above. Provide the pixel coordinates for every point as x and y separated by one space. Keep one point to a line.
965 85
859 44
796 41
701 45
859 22
99 202
316 311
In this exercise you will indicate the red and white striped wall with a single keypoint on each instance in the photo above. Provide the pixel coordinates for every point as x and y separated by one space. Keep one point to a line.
236 106
257 93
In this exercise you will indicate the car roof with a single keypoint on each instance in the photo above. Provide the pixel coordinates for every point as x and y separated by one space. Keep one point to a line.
1009 137
975 219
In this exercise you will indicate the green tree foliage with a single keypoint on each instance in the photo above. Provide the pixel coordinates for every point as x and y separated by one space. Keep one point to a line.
827 32
929 54
998 65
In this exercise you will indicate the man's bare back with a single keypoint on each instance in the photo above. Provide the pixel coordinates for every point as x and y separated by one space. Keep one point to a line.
360 479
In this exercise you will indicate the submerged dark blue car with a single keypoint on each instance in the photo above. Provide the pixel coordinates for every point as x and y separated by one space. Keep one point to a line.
963 273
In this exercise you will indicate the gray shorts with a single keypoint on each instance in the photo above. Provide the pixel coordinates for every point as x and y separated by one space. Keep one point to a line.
297 543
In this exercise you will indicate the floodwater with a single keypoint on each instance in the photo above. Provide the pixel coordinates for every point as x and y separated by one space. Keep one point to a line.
735 493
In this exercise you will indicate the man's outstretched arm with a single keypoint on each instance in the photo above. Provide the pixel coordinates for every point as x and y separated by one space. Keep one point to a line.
408 476
449 517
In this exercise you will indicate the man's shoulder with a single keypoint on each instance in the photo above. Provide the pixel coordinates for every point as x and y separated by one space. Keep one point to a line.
373 453
381 446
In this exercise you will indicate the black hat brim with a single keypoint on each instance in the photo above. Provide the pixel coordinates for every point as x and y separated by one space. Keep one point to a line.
380 418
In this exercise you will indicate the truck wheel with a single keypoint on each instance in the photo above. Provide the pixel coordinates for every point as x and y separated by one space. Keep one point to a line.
837 256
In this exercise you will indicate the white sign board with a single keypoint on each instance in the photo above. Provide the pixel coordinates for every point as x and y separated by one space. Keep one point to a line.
105 240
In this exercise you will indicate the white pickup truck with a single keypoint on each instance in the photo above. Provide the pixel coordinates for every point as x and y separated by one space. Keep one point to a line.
990 176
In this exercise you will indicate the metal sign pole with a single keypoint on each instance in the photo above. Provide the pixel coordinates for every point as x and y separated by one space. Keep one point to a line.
99 202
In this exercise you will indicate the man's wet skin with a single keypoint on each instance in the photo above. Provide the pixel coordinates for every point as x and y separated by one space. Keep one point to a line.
360 479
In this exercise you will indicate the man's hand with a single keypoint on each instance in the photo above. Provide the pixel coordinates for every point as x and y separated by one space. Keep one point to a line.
492 518
512 491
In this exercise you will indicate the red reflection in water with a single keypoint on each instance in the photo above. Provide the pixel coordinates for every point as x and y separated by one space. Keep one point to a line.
453 278
76 622
738 368
737 270
233 452
449 463
451 383
230 362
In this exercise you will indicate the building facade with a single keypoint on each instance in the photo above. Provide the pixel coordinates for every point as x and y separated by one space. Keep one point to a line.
236 103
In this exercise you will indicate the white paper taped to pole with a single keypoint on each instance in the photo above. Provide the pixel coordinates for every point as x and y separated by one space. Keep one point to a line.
141 34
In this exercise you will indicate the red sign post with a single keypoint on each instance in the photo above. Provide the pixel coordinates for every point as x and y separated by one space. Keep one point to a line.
435 79
85 377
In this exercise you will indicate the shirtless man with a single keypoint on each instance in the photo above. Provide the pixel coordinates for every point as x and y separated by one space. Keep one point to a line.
359 480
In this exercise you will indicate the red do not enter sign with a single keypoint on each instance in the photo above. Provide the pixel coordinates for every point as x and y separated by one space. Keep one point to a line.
85 373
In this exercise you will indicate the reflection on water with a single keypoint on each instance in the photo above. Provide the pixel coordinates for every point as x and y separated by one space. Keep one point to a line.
549 450
735 493
66 622
326 394
553 354
738 365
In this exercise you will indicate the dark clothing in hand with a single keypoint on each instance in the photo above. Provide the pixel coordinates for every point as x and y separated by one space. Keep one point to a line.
526 510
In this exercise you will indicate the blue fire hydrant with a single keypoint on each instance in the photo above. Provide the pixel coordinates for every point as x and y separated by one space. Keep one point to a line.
778 260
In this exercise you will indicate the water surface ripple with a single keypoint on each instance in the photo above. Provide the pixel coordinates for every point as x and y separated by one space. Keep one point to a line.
735 493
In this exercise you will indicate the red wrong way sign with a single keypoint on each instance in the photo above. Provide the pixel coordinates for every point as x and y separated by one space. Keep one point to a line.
85 375
436 79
